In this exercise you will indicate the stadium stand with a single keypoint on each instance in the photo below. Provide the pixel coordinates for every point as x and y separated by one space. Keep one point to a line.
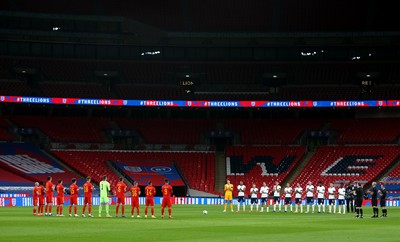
26 161
367 130
392 182
4 133
198 167
347 164
280 131
261 163
66 129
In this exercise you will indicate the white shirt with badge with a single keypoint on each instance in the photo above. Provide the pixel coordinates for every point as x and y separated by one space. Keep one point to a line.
264 191
320 191
241 189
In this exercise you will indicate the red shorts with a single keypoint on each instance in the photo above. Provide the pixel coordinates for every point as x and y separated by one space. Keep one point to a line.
60 200
121 200
150 202
87 200
49 198
135 202
166 202
41 200
74 200
35 200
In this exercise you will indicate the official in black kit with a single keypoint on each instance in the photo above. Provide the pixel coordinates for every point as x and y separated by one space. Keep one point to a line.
374 199
350 198
359 195
382 192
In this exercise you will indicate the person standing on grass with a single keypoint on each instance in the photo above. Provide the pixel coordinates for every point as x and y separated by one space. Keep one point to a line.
341 198
121 189
150 192
73 190
374 200
310 196
228 188
35 198
298 193
135 192
264 190
104 190
167 191
277 196
359 194
382 192
60 198
241 201
49 196
87 191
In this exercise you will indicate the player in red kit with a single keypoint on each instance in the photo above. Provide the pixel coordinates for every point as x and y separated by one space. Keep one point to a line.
166 190
73 190
121 189
41 198
49 196
35 198
60 198
87 190
135 191
150 191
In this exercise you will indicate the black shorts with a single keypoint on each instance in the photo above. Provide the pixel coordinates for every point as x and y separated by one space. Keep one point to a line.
310 200
321 201
383 203
332 202
374 202
277 199
288 200
254 200
359 203
264 200
240 199
341 201
298 200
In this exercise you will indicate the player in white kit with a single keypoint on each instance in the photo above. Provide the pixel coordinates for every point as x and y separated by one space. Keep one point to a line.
288 197
277 196
298 193
341 198
241 200
331 198
321 197
310 196
253 197
264 190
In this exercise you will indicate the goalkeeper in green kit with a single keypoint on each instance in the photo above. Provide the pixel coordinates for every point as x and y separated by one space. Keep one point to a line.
104 190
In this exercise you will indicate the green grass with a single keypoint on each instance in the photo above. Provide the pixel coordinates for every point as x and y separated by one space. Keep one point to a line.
189 224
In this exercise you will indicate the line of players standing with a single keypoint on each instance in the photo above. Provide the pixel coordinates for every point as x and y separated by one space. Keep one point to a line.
345 197
44 193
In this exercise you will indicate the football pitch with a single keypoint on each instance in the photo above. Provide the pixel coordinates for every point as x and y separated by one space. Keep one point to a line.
189 224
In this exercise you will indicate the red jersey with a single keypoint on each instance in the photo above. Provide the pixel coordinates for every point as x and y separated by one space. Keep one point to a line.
41 191
35 191
150 191
88 189
60 190
121 187
73 189
49 188
166 190
135 192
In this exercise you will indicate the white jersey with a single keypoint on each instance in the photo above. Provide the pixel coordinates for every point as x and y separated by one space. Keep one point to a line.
277 191
241 189
331 192
264 191
253 192
298 192
342 193
288 192
320 191
310 190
